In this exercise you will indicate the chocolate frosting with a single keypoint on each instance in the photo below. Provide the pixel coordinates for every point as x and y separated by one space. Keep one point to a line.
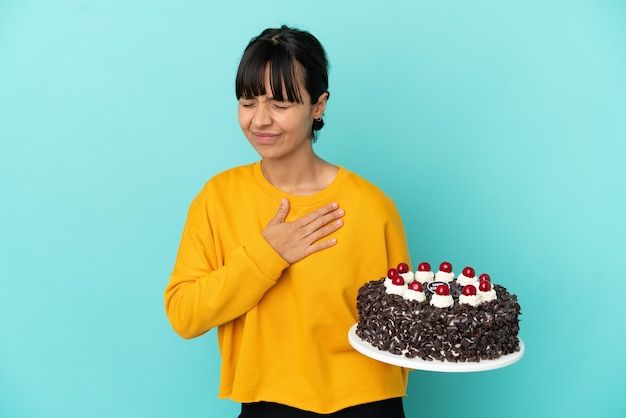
461 333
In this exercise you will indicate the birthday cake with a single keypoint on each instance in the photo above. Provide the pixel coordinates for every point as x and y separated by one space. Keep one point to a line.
438 316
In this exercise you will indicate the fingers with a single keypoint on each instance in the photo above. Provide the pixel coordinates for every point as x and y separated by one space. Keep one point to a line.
323 226
320 224
282 212
319 246
316 220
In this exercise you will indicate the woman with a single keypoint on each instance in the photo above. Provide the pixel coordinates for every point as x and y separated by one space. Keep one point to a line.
273 253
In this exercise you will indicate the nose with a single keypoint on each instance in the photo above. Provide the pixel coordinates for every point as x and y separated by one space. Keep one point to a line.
262 116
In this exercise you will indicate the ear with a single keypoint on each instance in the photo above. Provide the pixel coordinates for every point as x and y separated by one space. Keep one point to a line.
320 106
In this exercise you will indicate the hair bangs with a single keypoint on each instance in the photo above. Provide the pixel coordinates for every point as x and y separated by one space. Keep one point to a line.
283 73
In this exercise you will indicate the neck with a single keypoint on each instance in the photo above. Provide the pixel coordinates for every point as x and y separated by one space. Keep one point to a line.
300 178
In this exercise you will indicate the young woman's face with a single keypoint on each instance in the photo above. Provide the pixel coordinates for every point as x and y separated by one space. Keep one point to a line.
279 129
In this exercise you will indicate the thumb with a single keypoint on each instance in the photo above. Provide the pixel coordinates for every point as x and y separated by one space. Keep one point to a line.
283 210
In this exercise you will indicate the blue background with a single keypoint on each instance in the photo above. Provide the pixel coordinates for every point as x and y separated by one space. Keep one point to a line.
498 127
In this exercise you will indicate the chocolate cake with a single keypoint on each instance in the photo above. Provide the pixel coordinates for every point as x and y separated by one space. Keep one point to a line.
438 317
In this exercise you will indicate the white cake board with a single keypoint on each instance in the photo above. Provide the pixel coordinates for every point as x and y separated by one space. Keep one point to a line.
431 365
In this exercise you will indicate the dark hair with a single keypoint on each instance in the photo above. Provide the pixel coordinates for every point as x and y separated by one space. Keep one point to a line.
281 48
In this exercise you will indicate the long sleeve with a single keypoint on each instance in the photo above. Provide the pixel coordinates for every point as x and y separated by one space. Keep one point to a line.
207 288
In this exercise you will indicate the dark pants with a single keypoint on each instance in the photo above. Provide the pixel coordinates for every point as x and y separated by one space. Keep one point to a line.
390 408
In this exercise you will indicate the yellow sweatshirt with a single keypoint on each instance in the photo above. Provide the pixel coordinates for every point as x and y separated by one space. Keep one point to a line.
283 329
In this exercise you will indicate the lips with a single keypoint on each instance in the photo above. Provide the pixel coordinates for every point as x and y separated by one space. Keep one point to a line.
265 138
